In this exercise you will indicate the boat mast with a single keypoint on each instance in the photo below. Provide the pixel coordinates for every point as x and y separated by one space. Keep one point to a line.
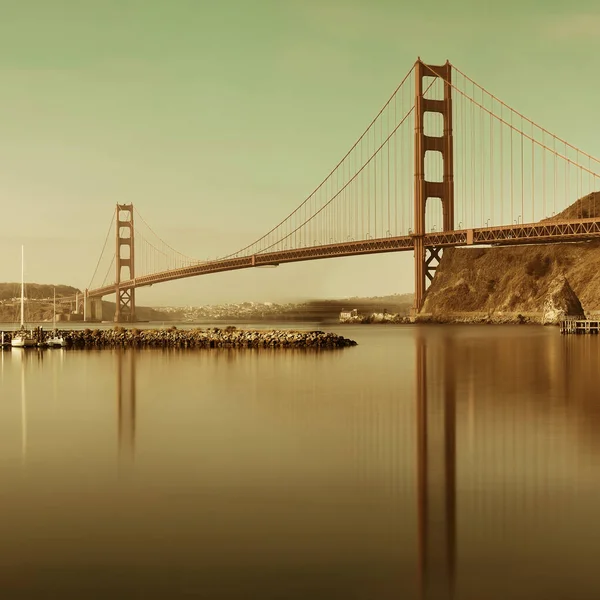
54 312
22 287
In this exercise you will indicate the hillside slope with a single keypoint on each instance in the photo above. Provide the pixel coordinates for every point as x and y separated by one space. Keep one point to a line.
514 280
35 291
585 208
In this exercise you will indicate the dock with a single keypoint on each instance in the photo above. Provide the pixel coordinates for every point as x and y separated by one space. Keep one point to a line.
580 326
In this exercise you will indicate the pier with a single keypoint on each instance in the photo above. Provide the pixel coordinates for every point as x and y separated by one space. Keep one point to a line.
580 326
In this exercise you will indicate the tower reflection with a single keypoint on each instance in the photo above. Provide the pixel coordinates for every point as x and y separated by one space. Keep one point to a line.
436 469
22 357
126 403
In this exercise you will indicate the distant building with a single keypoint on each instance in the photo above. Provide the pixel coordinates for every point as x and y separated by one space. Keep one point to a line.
348 314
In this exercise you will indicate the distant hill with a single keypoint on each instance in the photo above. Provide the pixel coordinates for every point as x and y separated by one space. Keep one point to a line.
39 307
143 313
39 301
397 303
35 291
311 310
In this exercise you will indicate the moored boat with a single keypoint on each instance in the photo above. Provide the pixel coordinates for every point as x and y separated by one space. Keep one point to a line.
22 338
55 341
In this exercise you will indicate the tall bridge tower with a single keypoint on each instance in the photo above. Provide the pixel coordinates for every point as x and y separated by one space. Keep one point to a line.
124 259
427 259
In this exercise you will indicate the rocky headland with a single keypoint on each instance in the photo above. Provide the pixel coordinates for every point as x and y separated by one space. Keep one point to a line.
518 284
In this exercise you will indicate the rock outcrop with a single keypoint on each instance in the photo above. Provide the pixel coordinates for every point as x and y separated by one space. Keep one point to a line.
230 337
515 283
561 302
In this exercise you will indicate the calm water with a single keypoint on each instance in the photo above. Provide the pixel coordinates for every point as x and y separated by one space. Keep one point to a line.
427 462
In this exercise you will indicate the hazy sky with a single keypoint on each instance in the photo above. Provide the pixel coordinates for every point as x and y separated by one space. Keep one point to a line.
217 118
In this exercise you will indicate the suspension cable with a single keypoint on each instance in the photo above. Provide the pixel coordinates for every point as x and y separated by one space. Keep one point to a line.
188 258
112 221
310 196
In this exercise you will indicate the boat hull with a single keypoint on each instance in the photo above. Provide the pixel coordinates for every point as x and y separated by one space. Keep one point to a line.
22 342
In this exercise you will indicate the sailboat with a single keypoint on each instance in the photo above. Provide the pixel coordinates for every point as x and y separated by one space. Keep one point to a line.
22 338
56 340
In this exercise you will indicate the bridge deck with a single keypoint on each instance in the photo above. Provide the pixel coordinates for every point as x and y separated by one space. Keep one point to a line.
544 232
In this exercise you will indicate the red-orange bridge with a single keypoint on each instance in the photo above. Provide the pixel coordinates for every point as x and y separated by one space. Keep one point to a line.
444 163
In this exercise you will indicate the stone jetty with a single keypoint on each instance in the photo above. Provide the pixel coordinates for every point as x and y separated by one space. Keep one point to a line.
229 337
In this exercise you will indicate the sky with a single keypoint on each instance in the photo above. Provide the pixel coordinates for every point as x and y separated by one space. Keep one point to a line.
216 119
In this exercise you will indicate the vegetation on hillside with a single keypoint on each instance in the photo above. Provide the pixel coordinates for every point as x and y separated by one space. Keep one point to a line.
585 208
35 291
513 279
518 279
39 305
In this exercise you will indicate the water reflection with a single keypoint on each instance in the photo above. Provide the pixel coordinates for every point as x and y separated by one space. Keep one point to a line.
28 360
126 402
22 358
436 468
433 462
521 419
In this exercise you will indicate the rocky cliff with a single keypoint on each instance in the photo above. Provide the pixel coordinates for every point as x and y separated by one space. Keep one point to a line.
540 283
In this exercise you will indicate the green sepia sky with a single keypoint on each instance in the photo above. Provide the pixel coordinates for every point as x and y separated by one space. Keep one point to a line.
216 119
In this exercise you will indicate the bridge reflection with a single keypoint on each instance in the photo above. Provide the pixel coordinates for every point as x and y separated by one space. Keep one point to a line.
126 403
486 444
521 422
436 469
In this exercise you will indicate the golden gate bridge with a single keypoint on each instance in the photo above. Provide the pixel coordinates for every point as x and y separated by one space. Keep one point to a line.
443 163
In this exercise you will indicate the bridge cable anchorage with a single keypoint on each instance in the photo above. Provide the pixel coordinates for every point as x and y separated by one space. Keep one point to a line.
112 224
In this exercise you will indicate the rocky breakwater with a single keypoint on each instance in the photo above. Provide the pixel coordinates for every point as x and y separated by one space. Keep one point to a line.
202 338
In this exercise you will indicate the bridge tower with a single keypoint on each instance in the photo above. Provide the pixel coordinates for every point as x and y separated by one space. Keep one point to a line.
427 259
124 259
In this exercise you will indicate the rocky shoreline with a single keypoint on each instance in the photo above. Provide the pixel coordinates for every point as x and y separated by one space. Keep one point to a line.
229 337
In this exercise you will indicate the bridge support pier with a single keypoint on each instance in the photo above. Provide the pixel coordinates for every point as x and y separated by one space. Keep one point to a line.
425 189
125 259
433 256
92 309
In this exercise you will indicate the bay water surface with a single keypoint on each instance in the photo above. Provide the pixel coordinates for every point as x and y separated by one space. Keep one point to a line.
426 462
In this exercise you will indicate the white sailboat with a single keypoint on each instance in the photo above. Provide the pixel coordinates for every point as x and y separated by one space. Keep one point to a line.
56 340
22 338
